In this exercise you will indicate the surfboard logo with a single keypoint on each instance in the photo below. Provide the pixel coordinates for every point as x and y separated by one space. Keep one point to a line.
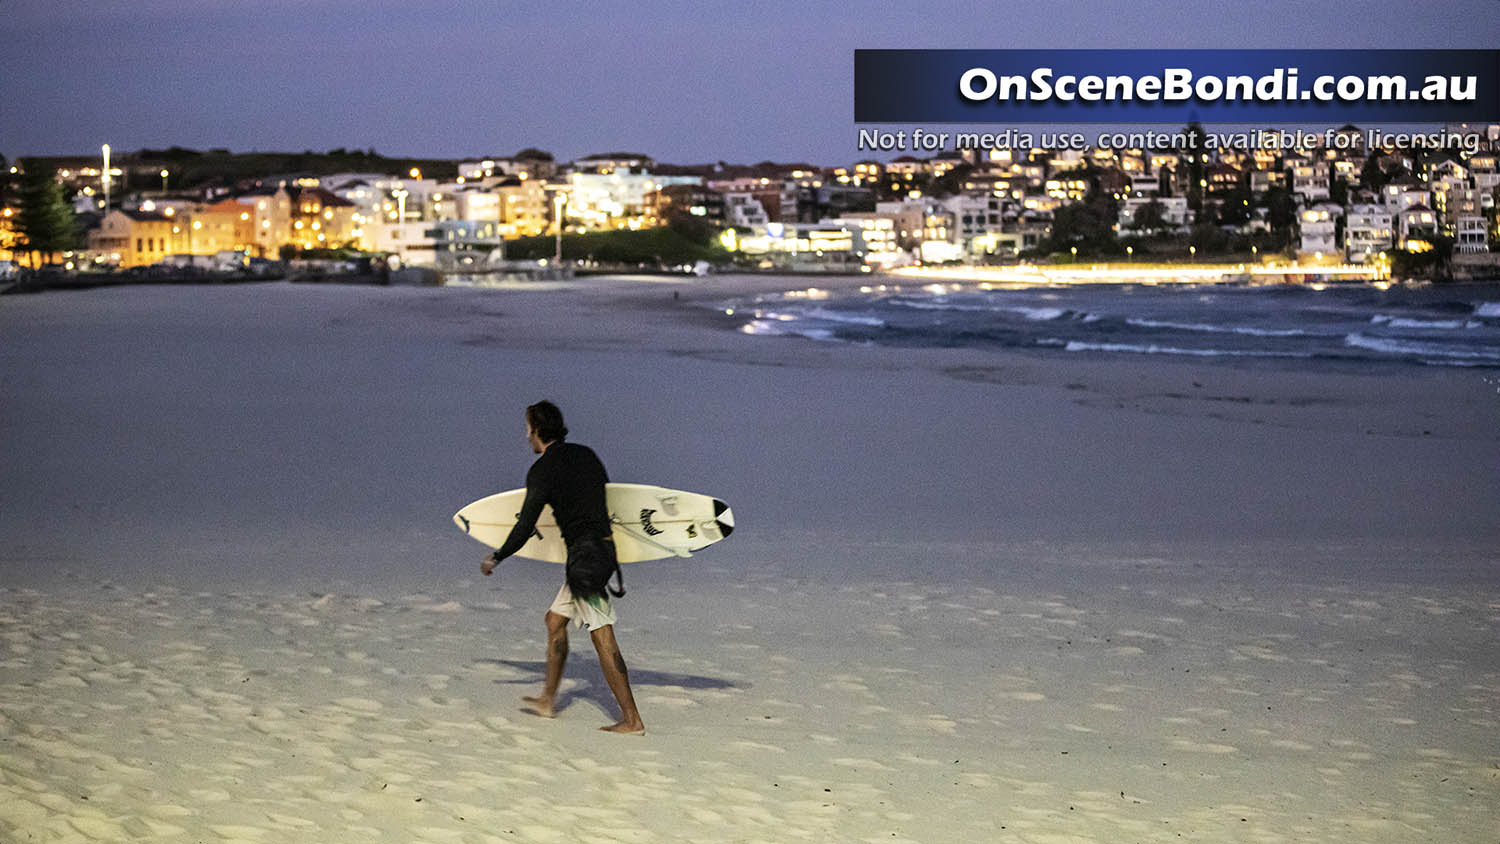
692 531
646 525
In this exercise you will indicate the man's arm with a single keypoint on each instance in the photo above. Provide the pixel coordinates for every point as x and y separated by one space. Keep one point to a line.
531 510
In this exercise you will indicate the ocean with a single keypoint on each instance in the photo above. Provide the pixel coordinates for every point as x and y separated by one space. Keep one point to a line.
1456 325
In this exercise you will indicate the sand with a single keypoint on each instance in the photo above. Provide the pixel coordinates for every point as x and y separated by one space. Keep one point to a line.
973 596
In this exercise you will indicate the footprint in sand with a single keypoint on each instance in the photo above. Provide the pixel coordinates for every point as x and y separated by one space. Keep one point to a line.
861 764
1026 697
1203 747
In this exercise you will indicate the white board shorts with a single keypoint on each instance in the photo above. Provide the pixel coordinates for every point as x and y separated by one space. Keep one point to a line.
592 613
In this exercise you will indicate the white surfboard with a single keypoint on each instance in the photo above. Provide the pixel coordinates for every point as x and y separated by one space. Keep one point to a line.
649 523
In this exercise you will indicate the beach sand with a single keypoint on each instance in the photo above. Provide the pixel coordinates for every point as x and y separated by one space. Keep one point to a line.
972 596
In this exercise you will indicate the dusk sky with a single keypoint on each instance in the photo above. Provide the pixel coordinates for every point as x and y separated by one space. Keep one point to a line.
682 81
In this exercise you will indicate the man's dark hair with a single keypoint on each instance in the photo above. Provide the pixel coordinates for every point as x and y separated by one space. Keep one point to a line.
547 421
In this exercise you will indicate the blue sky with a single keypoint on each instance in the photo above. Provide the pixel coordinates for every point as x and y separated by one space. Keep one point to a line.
682 81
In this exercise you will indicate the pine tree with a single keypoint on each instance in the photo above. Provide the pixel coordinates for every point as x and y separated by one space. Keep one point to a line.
45 223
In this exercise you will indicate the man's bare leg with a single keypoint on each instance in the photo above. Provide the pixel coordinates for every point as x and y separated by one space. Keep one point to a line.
613 666
557 656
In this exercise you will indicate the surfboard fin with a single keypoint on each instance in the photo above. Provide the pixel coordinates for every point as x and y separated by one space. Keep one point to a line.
676 552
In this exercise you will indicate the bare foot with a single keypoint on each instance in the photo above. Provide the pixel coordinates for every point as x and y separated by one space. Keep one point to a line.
626 728
540 706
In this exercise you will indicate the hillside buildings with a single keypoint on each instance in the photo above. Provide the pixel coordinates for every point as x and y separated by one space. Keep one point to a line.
1345 201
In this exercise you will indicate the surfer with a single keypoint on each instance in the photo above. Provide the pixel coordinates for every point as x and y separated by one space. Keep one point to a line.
571 478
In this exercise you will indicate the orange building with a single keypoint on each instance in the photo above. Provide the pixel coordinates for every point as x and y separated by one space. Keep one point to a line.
134 238
140 238
312 217
223 226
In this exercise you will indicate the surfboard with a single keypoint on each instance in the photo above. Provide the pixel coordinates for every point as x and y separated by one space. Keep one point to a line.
649 523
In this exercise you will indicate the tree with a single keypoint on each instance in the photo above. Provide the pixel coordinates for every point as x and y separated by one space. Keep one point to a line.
1235 209
1281 209
1197 144
1150 217
951 183
1338 190
1089 226
1372 176
1434 263
45 223
1209 238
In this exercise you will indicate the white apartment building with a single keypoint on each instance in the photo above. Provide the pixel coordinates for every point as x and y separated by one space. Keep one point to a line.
488 168
1262 181
1471 235
977 222
744 210
1457 201
1144 184
1368 231
1310 180
805 240
615 200
1068 159
474 203
1486 175
1398 198
1415 227
408 240
1318 224
878 232
919 222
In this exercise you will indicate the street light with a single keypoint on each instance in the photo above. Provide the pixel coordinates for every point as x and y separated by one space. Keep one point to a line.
400 194
106 178
561 201
163 180
499 254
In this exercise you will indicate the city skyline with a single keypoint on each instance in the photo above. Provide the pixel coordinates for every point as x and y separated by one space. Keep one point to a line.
664 78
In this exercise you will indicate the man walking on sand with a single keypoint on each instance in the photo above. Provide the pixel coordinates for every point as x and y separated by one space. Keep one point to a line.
571 478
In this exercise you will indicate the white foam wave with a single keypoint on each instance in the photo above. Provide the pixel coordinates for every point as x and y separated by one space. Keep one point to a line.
780 328
943 306
1487 309
1036 314
1412 347
1453 362
841 317
1152 349
1406 322
1219 329
1039 314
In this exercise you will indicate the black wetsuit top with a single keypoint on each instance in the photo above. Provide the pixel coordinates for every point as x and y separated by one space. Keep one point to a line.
570 478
